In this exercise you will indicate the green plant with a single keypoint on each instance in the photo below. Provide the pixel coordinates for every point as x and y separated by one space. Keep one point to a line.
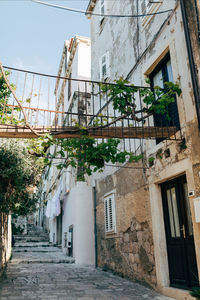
19 173
182 145
85 153
17 229
195 292
123 95
151 161
159 154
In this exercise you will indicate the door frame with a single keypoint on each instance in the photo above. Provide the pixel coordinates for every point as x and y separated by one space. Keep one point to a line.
158 227
184 242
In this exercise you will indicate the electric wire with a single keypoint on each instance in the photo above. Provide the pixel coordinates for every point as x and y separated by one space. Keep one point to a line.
80 11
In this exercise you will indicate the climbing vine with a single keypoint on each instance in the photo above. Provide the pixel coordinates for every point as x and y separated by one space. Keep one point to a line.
89 155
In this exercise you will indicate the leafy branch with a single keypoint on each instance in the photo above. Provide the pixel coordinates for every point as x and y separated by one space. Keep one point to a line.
156 100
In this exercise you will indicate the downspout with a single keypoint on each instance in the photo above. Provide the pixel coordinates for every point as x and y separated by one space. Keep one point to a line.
191 60
95 226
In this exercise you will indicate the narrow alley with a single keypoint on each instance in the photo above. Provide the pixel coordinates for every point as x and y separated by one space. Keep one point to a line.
39 270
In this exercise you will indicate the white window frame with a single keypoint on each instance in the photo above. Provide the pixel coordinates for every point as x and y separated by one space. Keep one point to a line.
104 62
102 10
110 213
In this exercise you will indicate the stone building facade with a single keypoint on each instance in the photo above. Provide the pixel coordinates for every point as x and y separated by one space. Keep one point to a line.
129 251
152 230
69 211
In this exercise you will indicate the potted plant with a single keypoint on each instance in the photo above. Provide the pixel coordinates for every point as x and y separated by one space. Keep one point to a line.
195 292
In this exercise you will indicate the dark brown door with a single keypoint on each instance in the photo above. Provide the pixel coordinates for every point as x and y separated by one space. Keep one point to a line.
179 234
59 228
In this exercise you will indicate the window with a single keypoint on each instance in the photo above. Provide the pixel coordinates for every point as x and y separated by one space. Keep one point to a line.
109 213
69 86
102 10
104 66
66 59
162 74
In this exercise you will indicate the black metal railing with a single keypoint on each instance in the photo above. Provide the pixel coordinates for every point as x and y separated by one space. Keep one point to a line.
90 108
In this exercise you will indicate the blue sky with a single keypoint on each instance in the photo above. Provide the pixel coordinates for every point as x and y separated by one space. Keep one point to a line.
33 35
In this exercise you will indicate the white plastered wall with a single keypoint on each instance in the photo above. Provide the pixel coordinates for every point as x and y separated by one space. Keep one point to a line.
78 212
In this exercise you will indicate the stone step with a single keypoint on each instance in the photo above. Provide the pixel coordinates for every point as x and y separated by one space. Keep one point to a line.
34 232
32 244
36 249
38 257
45 261
31 239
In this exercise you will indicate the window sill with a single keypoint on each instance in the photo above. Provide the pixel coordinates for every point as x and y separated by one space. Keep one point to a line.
111 234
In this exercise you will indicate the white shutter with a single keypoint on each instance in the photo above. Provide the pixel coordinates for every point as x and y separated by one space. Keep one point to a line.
102 9
109 213
106 215
107 64
104 66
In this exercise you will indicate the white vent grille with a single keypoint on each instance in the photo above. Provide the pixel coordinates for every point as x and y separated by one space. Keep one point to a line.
109 213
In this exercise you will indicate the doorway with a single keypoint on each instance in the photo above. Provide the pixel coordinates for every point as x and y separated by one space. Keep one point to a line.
59 228
179 234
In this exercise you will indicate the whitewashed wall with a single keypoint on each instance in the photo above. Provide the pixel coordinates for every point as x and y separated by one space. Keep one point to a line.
78 212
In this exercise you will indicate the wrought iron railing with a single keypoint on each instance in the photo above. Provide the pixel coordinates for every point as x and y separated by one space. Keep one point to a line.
82 106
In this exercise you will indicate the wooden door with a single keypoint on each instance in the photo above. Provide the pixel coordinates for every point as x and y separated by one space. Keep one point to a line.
179 234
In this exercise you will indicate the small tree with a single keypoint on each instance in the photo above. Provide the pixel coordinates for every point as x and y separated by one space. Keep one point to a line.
19 173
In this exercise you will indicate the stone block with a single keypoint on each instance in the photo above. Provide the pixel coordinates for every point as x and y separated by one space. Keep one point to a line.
126 237
135 248
131 258
138 227
139 236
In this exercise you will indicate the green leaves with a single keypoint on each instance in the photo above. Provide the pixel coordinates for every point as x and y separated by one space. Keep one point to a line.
87 155
19 171
195 292
156 100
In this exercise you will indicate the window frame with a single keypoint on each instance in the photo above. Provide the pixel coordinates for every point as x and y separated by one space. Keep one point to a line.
69 89
102 4
162 66
106 64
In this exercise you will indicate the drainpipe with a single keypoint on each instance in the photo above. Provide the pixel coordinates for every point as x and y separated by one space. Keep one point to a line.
95 225
191 60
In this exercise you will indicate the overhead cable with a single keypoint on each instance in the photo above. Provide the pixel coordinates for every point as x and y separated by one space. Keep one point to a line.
100 15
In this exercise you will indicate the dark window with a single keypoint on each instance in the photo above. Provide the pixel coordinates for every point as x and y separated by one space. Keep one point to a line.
66 57
69 86
162 74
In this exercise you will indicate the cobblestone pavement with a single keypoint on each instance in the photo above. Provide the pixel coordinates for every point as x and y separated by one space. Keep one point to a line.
40 271
70 282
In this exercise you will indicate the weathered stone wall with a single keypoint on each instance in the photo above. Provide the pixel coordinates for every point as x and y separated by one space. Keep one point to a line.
5 240
129 252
